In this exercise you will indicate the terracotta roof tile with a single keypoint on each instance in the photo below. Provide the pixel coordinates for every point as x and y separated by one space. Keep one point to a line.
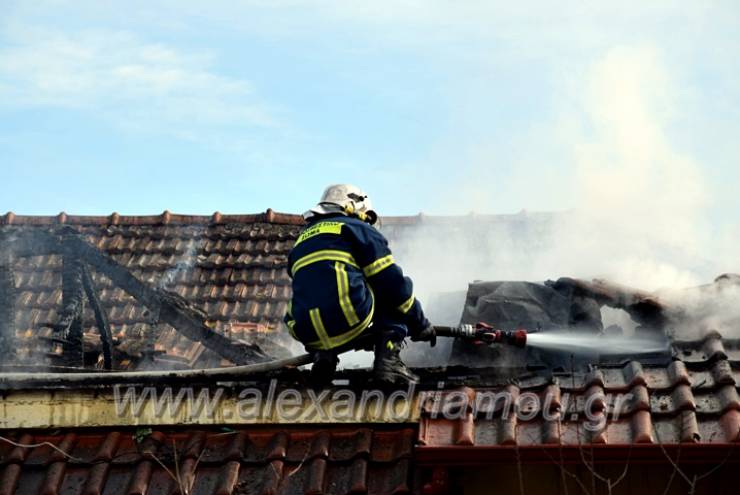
638 404
308 460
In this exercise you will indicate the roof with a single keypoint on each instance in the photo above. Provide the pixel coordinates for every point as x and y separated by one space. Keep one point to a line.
205 462
233 267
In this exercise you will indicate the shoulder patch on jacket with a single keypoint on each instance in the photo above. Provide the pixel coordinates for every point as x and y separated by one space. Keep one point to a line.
320 228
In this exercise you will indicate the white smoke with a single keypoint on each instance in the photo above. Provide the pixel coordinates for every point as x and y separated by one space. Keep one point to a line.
640 202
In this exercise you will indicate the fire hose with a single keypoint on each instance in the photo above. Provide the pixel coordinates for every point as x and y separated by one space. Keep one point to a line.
480 333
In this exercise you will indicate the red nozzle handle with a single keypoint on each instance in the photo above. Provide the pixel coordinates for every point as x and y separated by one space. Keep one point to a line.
520 337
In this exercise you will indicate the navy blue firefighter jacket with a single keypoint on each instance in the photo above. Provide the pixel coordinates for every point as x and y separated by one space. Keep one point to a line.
343 276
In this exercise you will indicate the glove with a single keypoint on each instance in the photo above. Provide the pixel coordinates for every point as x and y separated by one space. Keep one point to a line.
427 334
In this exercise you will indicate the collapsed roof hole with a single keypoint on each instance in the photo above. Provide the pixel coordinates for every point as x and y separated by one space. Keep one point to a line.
615 319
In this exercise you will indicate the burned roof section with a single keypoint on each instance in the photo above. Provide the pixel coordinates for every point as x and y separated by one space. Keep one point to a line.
230 268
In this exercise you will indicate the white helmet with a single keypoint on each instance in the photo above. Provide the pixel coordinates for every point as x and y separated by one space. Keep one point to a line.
346 199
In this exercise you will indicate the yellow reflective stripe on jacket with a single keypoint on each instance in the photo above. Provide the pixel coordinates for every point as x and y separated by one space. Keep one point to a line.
378 265
343 289
406 306
324 255
291 324
318 326
320 228
345 337
290 321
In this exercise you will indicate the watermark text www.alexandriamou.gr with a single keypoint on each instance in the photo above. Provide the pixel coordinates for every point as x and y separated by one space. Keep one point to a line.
348 405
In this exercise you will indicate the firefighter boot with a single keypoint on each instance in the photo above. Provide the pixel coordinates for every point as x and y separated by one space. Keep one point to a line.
322 371
388 367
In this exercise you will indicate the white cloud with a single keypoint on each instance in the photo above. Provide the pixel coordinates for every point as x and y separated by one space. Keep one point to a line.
133 83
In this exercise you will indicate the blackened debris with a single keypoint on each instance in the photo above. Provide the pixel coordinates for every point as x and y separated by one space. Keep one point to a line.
587 298
7 311
564 305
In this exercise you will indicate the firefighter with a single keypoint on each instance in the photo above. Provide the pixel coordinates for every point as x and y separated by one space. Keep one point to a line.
347 286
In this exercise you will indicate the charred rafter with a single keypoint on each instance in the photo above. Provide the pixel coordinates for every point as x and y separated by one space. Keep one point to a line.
101 319
73 306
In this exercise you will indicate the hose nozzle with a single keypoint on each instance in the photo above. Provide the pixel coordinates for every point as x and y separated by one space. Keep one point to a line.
516 338
486 333
483 333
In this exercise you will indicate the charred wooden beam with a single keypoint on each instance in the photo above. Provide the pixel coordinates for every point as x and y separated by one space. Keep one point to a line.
73 306
101 319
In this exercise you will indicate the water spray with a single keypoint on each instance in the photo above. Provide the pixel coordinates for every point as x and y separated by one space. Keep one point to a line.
557 340
599 344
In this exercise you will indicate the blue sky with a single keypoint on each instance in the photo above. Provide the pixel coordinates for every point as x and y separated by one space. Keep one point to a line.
440 107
